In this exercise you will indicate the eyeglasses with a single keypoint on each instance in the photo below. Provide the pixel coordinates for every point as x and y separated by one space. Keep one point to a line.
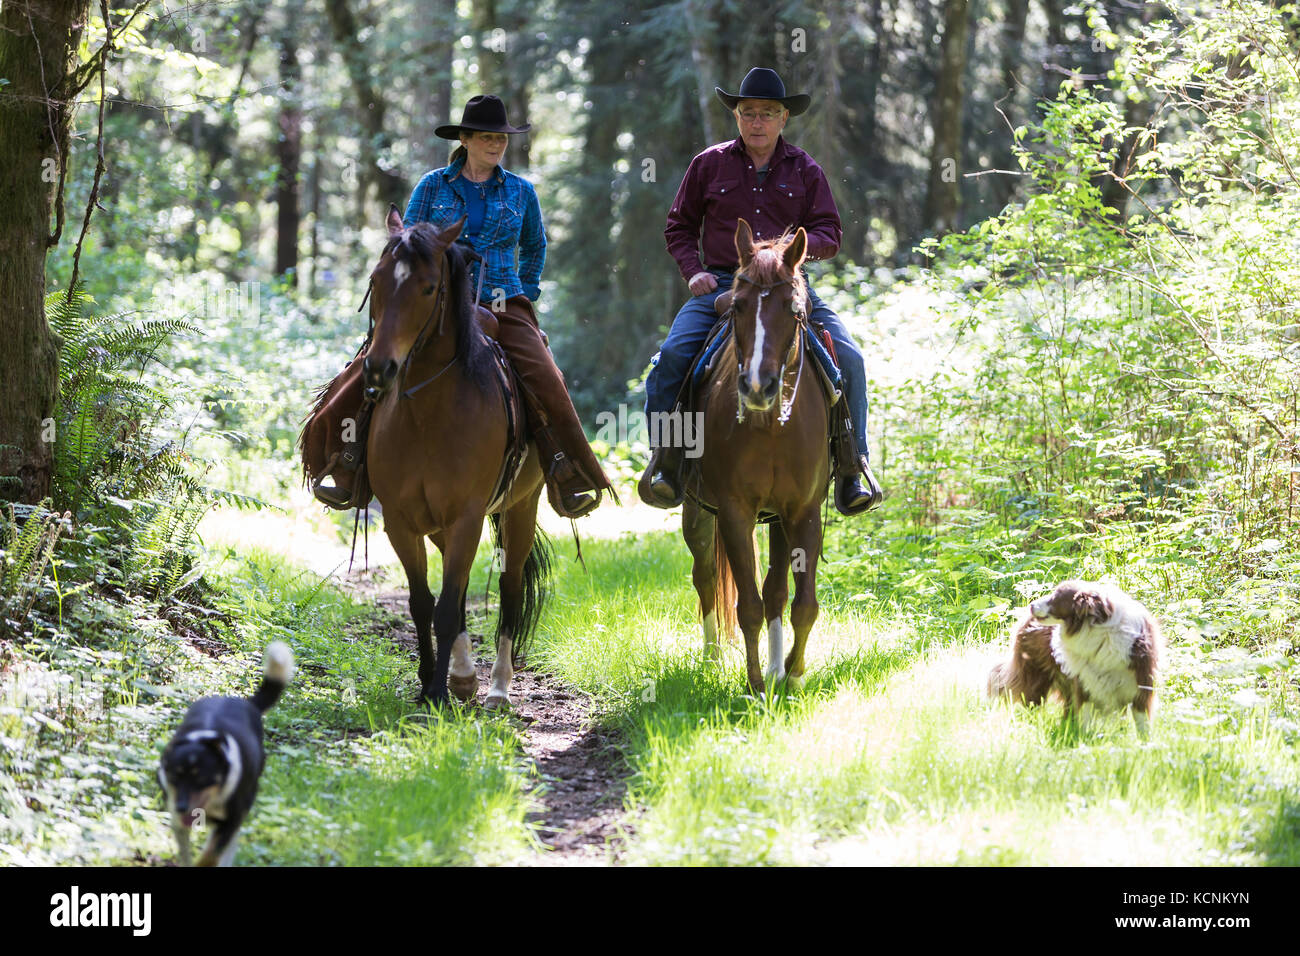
766 116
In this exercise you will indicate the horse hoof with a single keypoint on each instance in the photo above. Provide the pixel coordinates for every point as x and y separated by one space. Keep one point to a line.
465 688
794 683
434 698
774 677
496 702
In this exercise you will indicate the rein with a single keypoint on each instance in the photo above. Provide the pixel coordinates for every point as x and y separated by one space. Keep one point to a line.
801 328
420 340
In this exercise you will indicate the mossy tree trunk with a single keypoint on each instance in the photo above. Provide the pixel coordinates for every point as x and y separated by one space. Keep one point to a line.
38 44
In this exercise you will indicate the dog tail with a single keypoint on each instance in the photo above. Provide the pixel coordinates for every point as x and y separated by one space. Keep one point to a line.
277 671
1000 677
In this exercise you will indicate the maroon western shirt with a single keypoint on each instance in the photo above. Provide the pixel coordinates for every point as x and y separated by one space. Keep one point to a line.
721 187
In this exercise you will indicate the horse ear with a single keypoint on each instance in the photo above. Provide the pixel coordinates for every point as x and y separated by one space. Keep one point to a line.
394 220
744 242
798 248
449 235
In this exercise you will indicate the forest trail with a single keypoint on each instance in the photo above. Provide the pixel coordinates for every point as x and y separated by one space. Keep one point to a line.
579 778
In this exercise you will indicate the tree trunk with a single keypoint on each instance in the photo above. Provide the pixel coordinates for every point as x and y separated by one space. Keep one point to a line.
436 32
1013 38
700 27
504 69
289 152
875 58
943 198
38 45
1053 74
375 138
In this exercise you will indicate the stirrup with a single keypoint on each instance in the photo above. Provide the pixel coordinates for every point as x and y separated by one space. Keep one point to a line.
656 487
339 499
335 496
563 471
872 494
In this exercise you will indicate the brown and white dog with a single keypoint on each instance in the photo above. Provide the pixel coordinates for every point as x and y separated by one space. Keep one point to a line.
1089 643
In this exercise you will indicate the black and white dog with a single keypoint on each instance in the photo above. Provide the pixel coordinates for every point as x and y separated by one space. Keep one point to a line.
212 766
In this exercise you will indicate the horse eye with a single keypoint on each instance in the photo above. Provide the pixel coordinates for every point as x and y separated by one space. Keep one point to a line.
428 289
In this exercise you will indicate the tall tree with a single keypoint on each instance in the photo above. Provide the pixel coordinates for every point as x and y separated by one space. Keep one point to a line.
504 60
1013 37
943 198
289 151
432 105
371 108
38 47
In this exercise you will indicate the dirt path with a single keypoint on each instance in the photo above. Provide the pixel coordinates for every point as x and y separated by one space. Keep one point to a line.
580 779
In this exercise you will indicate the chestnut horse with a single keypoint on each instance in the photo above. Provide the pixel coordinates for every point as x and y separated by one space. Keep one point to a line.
437 441
766 448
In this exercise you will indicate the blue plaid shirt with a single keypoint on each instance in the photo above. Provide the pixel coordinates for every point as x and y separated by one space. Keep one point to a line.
512 221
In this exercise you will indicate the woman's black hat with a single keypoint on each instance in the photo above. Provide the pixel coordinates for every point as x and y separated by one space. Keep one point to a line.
485 113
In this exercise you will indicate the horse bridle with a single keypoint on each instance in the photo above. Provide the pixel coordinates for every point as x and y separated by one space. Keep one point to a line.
422 339
801 327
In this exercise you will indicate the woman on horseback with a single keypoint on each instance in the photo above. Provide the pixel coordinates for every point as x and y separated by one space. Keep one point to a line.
503 217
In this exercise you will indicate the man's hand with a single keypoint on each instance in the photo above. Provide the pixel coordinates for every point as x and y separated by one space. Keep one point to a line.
702 282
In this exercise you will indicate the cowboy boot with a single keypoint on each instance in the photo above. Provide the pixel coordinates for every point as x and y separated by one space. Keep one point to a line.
343 467
661 486
856 489
574 477
345 458
570 488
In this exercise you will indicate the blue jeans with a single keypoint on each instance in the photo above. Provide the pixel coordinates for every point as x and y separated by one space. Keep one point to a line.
691 328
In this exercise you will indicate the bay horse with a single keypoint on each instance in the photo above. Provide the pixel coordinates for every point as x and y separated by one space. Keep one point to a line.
766 448
437 442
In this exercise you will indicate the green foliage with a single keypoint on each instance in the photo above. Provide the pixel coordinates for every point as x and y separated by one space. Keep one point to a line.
891 754
26 546
1123 390
133 493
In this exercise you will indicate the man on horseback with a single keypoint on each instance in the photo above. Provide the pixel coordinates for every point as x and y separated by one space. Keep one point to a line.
502 217
776 186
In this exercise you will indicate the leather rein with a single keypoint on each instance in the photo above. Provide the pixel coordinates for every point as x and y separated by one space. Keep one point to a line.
421 340
801 328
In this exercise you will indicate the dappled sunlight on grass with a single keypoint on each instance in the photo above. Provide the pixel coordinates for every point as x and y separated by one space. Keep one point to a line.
442 791
1027 836
302 534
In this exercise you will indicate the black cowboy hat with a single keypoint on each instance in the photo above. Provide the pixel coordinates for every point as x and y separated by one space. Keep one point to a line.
485 113
763 84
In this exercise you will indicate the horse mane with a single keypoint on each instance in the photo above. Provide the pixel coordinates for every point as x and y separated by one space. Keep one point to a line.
767 266
473 353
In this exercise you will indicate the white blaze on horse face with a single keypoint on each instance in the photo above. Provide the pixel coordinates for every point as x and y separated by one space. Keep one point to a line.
401 272
756 359
775 650
462 664
502 673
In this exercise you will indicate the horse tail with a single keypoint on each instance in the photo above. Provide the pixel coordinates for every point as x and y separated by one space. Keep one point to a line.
521 621
724 588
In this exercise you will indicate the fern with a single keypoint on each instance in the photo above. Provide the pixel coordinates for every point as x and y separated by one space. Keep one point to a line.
27 537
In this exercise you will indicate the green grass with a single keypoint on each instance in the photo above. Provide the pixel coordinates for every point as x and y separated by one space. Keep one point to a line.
355 773
891 754
427 792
